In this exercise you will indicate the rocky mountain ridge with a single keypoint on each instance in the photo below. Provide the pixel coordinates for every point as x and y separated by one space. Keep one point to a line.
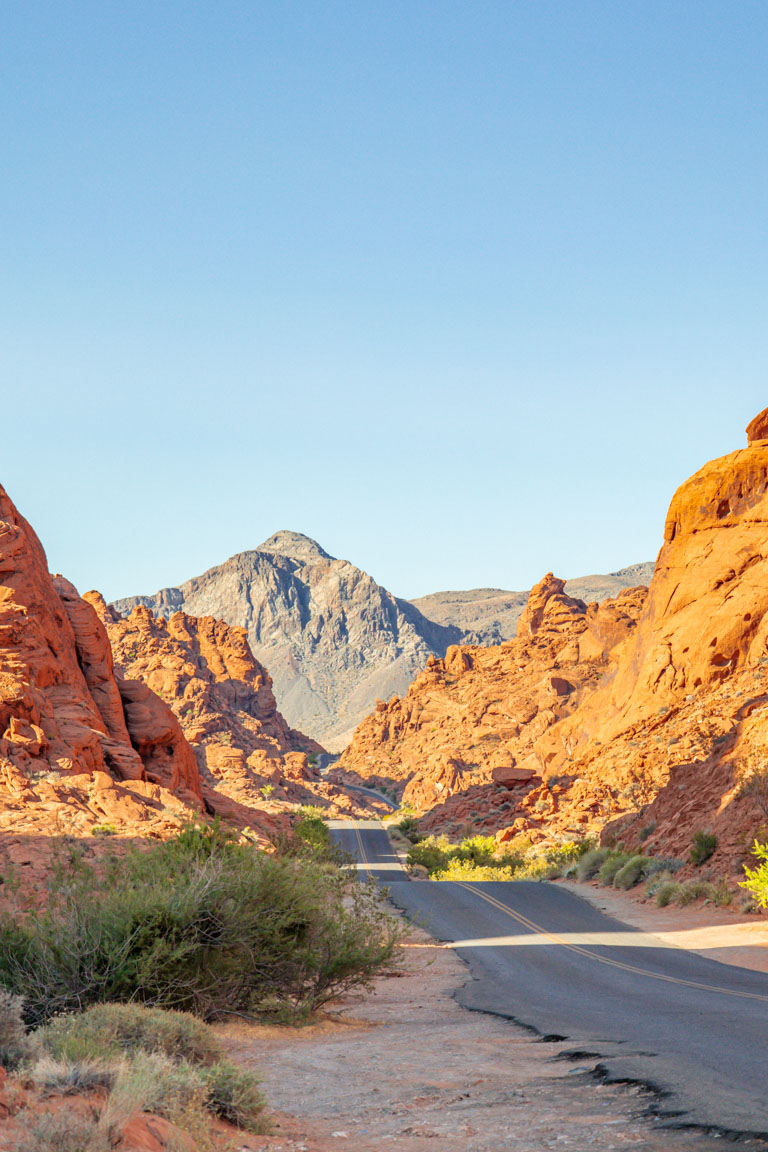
94 744
333 639
489 615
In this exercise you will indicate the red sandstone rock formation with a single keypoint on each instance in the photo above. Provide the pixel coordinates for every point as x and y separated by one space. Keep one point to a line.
462 744
645 729
684 719
220 699
71 754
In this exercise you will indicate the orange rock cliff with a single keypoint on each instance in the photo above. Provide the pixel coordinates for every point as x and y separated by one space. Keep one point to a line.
643 718
76 750
249 759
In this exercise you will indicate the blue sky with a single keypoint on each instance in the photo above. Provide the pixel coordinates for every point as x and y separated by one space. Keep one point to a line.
464 290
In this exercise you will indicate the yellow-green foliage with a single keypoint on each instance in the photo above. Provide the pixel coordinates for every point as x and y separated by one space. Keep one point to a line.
756 882
481 858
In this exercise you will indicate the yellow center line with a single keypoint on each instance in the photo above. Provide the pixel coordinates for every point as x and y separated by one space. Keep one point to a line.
362 853
585 952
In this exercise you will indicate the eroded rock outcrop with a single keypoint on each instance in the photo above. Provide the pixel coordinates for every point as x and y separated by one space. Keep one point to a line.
218 700
70 752
683 723
462 744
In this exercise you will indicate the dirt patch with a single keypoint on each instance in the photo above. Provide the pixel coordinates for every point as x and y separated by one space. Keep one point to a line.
407 1068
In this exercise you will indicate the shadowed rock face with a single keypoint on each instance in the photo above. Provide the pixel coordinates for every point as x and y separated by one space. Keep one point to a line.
333 639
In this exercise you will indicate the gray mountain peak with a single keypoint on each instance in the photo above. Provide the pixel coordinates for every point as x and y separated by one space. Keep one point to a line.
294 545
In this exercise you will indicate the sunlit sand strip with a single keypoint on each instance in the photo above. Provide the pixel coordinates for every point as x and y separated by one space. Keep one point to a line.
353 823
584 939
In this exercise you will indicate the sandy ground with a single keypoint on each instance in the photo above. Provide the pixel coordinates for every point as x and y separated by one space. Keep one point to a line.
407 1068
721 934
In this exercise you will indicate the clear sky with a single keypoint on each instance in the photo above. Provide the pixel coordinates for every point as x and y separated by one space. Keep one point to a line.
462 288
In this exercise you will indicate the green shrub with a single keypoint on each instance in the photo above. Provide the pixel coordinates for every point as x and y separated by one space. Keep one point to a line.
694 890
433 853
466 870
656 864
611 865
667 892
197 924
703 845
631 873
646 831
235 1096
106 1030
409 827
591 862
476 849
756 882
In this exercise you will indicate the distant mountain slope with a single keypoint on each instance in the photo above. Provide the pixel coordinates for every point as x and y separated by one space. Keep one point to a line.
332 639
490 615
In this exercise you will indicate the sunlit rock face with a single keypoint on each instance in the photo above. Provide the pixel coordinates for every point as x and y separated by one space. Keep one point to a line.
658 704
72 752
461 745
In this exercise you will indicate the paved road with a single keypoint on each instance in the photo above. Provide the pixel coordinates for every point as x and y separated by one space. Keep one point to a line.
541 956
369 842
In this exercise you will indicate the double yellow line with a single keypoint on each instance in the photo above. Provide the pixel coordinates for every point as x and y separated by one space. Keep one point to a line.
553 938
363 856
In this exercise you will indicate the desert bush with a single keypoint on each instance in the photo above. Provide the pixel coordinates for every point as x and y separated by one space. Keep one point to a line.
613 863
591 862
60 1132
703 845
756 882
111 1030
466 870
409 827
666 892
631 873
197 924
656 864
432 853
71 1077
646 831
476 849
14 1042
235 1096
691 890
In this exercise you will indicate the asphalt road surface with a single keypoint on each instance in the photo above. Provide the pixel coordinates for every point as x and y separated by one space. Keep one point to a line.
694 1029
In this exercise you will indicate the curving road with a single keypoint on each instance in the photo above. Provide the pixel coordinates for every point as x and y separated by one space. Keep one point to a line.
693 1028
